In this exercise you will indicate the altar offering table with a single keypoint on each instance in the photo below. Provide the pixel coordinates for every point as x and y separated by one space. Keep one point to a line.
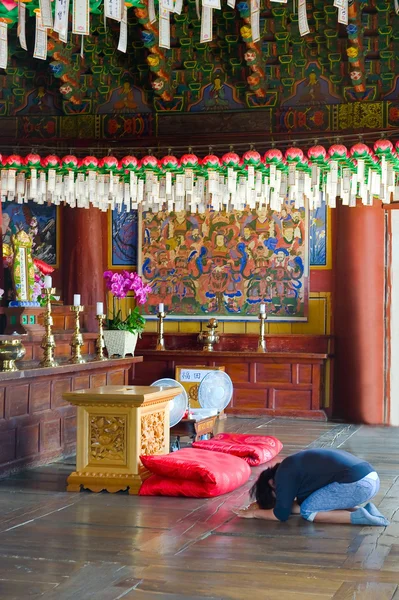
193 429
116 425
37 426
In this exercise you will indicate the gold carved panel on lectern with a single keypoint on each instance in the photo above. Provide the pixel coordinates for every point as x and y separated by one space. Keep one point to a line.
107 439
153 433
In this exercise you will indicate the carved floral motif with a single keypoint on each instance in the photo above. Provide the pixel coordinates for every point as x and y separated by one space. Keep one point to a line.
107 438
152 433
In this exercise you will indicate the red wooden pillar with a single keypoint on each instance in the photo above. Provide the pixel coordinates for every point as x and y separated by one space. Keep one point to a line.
84 257
359 314
1 249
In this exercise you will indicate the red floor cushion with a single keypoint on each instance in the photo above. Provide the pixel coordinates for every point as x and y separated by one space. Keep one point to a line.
194 473
254 449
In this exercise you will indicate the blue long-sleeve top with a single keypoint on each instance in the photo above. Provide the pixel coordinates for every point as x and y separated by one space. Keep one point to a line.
301 474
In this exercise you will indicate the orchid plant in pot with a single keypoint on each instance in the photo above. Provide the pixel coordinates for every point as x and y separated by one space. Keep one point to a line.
121 334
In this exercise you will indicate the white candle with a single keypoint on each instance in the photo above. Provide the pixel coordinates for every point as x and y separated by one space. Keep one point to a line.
161 307
263 308
100 308
48 282
76 300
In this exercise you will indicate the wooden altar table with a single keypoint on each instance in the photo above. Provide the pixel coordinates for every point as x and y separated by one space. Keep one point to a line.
116 425
37 425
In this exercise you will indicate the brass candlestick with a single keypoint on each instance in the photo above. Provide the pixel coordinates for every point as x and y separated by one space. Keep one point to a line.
100 339
209 338
77 339
48 342
262 340
160 341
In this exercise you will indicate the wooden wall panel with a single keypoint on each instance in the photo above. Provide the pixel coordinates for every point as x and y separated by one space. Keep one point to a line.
272 383
40 396
17 401
38 426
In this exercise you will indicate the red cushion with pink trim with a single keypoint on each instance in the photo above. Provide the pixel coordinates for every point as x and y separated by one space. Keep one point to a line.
193 473
254 449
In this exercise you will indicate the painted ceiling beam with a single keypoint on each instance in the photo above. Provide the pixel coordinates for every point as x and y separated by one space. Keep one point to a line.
354 50
156 59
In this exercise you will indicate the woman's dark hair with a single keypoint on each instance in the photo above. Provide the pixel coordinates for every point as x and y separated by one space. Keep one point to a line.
262 491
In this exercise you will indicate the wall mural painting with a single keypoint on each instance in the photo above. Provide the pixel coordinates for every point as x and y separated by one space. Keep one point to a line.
39 221
124 238
318 237
227 264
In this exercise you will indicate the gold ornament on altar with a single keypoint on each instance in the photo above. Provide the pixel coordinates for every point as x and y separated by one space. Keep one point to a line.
210 337
23 270
100 338
48 342
77 338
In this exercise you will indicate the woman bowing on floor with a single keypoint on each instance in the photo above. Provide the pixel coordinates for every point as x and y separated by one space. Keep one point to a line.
324 486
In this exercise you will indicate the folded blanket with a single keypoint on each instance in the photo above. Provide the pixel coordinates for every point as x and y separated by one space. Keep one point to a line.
254 449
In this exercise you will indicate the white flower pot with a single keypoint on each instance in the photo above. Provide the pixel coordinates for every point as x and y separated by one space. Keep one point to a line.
120 343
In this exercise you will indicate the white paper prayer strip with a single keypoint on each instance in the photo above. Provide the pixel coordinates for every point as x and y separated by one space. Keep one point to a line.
178 6
40 50
343 16
206 24
303 18
396 4
164 28
46 14
61 19
122 44
212 4
168 4
3 45
22 25
151 11
113 9
81 17
255 20
231 3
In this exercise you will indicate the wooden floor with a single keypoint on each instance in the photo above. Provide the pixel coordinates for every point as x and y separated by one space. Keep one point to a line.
86 546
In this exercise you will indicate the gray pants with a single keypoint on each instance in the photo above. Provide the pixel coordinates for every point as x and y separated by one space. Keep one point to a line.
340 496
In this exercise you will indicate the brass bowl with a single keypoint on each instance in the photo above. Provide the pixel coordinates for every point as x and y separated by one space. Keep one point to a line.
10 351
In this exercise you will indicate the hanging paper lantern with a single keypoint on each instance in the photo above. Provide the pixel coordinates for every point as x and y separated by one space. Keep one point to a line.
149 163
317 154
14 161
294 155
70 162
129 162
109 163
252 158
89 162
32 160
383 148
211 162
231 160
338 152
273 156
360 150
51 161
189 161
169 163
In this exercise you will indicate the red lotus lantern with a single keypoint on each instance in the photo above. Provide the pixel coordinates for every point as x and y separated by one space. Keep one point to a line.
231 160
211 162
51 161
